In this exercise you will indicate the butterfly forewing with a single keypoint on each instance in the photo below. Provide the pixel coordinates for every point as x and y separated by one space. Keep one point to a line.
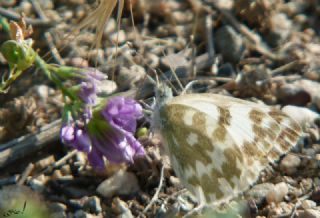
218 145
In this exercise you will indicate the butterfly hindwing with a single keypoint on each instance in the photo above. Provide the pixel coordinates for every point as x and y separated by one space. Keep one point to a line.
218 145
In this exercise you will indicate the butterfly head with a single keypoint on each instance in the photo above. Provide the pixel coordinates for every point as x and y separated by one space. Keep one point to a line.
163 94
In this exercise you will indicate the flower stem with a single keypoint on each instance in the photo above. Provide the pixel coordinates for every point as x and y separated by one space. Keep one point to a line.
41 64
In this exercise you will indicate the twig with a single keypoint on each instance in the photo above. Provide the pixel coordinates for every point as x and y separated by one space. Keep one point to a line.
209 28
286 67
20 147
34 22
58 163
25 173
156 195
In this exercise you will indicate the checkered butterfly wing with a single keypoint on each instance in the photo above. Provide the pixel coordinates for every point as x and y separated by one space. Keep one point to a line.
218 145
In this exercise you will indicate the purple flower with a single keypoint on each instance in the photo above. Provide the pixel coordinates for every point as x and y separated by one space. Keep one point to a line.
89 85
76 137
123 112
118 144
88 92
111 137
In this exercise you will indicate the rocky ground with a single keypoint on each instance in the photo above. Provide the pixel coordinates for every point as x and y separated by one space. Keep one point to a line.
263 51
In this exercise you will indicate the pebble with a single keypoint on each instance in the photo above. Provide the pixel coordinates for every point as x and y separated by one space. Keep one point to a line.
230 44
259 192
60 214
118 37
26 7
121 183
57 174
174 61
277 194
304 116
309 213
77 62
277 210
110 27
82 214
56 207
93 204
107 87
37 185
175 181
307 204
280 28
41 164
289 164
153 60
182 17
66 169
129 78
122 208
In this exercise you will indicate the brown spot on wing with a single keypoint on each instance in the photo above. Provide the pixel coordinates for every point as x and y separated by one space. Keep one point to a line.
225 116
220 133
256 116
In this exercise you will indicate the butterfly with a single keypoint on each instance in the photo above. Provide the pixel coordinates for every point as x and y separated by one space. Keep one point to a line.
218 145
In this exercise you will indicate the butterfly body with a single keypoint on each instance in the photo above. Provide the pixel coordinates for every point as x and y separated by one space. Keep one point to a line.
218 145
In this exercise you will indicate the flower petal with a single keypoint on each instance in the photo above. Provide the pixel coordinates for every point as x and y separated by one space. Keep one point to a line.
82 141
67 133
95 158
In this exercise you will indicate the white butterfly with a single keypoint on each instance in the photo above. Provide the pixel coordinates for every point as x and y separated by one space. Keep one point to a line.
218 145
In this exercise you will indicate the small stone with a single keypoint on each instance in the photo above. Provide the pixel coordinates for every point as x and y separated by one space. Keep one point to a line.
26 7
45 162
107 87
121 208
152 60
277 194
309 213
129 78
230 44
36 185
304 116
289 164
175 181
77 62
93 204
307 204
57 207
82 214
259 192
121 183
60 214
310 152
66 170
118 38
175 61
57 174
280 28
110 27
43 91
